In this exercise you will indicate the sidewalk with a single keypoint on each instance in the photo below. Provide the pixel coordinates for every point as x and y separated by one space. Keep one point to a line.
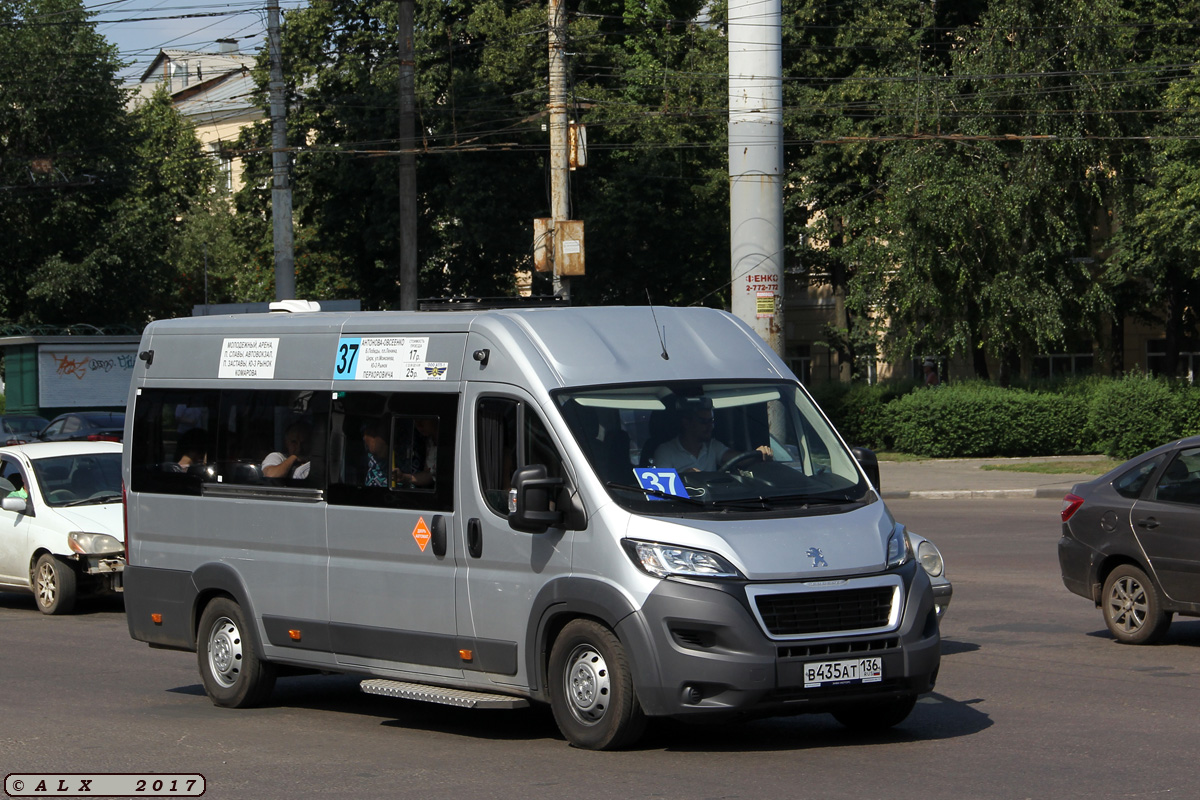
944 478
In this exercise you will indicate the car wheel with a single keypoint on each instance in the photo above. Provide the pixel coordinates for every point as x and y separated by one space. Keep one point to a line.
54 585
591 689
875 717
233 674
1132 607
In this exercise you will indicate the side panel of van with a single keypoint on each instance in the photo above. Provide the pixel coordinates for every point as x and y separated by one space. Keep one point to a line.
505 568
394 551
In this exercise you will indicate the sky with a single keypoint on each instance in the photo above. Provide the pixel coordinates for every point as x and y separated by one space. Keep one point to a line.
140 28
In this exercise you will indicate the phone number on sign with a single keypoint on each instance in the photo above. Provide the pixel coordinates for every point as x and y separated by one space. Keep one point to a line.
103 785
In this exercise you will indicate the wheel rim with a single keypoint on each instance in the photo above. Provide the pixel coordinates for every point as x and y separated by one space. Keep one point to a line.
587 684
225 652
1127 605
47 584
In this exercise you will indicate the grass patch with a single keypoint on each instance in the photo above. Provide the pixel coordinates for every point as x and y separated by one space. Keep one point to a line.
887 455
1097 466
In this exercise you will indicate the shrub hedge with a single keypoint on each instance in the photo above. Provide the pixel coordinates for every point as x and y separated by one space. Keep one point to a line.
1118 417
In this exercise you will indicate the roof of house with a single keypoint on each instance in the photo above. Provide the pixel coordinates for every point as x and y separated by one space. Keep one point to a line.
212 88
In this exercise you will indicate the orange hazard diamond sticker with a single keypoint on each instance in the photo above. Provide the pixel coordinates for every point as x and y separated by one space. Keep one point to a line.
421 533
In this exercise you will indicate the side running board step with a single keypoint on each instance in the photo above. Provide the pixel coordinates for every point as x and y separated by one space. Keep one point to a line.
462 698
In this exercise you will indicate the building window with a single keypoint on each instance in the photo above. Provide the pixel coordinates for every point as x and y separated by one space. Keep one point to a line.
224 164
1189 358
799 361
1063 365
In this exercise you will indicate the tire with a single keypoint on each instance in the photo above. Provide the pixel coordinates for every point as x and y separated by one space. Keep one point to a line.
876 717
233 674
1132 607
591 688
54 585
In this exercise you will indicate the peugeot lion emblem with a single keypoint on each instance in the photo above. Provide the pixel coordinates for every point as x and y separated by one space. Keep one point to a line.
817 556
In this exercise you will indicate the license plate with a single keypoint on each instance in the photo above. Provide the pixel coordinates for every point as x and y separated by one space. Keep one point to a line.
858 670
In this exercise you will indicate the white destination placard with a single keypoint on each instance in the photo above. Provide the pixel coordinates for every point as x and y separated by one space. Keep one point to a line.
248 357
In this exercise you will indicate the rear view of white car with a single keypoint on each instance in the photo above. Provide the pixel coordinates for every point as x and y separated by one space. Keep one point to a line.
61 526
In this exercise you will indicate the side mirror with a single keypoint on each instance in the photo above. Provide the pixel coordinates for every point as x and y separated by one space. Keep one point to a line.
530 498
17 504
869 462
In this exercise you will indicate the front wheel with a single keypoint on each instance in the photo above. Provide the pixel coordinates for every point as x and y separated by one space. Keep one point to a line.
876 717
233 674
1132 607
54 583
591 689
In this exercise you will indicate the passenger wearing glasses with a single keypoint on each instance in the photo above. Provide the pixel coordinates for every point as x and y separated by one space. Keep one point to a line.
695 449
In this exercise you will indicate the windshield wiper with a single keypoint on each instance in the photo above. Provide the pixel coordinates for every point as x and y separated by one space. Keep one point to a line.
90 501
654 493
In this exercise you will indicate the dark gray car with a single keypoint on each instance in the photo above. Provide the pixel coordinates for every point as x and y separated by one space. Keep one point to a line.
1131 541
91 426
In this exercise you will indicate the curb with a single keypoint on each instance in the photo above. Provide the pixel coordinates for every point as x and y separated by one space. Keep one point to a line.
985 494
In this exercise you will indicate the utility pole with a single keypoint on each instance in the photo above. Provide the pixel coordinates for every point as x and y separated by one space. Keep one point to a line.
408 163
281 192
560 166
756 166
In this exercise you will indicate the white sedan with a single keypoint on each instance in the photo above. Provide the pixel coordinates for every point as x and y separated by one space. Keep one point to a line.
62 531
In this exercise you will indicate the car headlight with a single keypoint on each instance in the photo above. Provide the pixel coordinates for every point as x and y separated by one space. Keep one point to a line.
664 560
931 559
899 549
89 544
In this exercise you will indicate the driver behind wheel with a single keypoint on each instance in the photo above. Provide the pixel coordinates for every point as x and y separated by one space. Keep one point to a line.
695 449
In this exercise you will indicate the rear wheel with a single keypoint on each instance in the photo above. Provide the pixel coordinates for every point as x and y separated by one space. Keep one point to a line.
54 585
233 674
1132 607
591 689
875 717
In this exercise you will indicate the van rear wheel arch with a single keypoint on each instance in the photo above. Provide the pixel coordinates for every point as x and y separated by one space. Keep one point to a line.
218 580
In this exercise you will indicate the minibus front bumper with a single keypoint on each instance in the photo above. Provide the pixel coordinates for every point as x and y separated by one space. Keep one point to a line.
698 649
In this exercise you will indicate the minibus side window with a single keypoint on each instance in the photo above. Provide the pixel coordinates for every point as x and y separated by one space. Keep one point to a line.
393 450
273 438
501 451
174 434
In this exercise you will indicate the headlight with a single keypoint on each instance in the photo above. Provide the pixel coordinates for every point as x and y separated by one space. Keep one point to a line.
93 543
899 549
663 560
931 559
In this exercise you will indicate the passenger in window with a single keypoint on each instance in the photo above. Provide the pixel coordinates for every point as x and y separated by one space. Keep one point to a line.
695 449
423 458
375 440
295 464
191 451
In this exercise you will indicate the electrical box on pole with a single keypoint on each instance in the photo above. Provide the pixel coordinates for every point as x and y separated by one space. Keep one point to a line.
543 244
568 247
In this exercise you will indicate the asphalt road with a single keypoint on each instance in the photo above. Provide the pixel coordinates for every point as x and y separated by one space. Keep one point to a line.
1034 700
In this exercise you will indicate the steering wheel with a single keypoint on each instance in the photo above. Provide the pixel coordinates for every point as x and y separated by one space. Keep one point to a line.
739 459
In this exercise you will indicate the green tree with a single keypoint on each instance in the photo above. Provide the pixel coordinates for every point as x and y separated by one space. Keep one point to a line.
648 80
63 146
93 194
1159 246
982 244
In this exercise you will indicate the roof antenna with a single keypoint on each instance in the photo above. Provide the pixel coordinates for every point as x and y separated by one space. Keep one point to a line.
661 334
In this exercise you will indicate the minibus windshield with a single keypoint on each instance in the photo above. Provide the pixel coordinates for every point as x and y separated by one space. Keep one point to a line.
682 447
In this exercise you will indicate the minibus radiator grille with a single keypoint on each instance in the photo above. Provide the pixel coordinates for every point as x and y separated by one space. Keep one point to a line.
826 612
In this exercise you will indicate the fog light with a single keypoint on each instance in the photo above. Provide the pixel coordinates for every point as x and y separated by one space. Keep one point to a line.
692 695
